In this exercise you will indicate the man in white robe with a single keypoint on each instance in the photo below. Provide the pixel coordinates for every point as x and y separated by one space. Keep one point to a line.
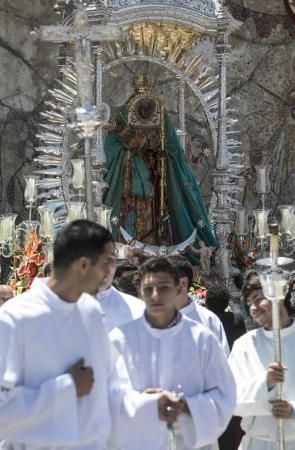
61 380
257 375
188 306
117 306
166 350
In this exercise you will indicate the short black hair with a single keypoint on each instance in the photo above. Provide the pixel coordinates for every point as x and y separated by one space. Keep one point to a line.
125 285
183 267
217 298
155 265
124 266
77 239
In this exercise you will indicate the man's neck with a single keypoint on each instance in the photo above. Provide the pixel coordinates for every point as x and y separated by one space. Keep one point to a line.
161 322
65 289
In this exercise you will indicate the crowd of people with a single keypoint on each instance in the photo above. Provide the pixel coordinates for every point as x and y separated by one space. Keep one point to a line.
100 357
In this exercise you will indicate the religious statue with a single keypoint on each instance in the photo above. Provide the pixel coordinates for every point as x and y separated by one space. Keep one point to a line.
205 256
152 190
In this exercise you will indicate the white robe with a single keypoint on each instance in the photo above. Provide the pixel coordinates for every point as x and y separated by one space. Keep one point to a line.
185 357
209 319
41 336
251 354
119 307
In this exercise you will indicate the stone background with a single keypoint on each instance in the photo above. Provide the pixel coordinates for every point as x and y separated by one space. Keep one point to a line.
261 82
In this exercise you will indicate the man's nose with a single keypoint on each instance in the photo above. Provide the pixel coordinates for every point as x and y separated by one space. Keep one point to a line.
155 294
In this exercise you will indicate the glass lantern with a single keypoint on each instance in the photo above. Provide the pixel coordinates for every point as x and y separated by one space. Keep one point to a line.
8 227
287 214
76 210
261 226
103 215
46 221
241 226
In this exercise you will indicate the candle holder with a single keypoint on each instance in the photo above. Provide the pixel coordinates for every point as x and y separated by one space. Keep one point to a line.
46 221
76 210
31 192
7 234
103 216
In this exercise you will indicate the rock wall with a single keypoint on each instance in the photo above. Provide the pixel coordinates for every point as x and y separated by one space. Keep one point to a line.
261 82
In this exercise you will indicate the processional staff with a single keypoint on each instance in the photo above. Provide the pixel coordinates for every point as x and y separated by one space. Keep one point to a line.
88 117
274 283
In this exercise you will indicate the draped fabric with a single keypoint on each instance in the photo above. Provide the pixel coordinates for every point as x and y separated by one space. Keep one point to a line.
184 205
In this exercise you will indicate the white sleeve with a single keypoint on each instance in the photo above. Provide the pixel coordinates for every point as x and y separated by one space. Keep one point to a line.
42 415
252 393
211 409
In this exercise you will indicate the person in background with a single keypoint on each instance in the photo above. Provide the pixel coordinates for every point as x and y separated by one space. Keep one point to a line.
126 286
6 293
190 308
125 269
217 301
117 306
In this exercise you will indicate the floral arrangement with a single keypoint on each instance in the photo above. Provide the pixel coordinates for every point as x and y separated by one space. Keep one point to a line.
197 290
28 264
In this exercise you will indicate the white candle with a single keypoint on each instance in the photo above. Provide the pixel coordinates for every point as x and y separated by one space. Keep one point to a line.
79 173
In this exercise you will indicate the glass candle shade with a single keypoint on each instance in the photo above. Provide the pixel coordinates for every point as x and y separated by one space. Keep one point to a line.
8 226
261 226
46 221
76 210
31 189
287 214
103 215
241 226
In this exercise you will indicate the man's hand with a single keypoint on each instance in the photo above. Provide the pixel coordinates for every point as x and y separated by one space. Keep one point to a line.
275 373
170 406
83 378
281 409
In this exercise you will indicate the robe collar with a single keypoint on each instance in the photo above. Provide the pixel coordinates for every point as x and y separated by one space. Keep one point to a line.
190 307
104 295
162 333
284 331
40 287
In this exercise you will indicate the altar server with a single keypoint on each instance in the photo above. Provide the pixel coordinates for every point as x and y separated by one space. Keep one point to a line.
188 306
60 377
257 375
166 350
117 306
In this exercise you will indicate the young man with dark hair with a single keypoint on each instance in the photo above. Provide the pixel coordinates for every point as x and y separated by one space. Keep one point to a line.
60 377
190 308
166 350
256 375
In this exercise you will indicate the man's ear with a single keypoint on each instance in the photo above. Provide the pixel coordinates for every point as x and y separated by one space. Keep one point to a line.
183 283
83 264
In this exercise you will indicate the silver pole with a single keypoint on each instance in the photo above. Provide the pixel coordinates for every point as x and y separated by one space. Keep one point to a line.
88 179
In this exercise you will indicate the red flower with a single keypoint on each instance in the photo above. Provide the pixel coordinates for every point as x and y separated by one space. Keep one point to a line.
204 293
38 259
198 291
